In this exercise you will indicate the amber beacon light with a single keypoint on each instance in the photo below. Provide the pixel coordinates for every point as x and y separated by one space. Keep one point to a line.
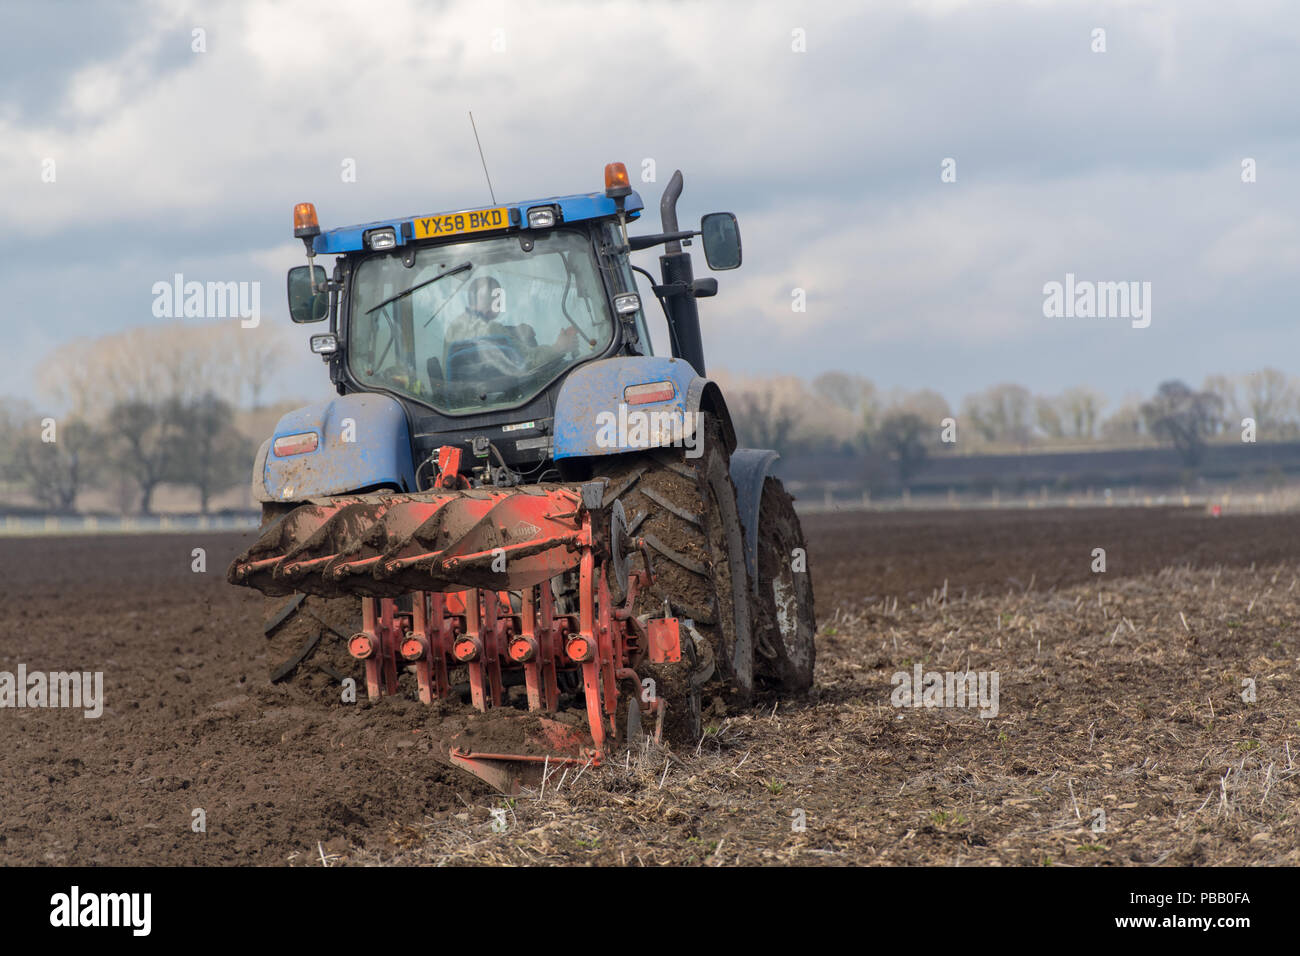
304 220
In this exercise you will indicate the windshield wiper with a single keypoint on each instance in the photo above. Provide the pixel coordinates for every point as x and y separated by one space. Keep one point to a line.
420 285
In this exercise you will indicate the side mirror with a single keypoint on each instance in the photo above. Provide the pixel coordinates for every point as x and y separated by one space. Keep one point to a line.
721 235
304 305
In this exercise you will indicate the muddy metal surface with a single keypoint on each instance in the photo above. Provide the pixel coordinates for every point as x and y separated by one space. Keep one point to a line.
1120 692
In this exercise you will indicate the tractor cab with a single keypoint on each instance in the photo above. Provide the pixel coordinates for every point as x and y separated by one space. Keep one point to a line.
484 324
473 319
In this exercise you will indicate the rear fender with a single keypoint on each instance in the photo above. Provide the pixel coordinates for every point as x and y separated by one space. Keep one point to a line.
363 442
750 468
593 418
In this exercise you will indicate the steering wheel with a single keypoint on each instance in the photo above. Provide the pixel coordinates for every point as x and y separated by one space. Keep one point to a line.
472 360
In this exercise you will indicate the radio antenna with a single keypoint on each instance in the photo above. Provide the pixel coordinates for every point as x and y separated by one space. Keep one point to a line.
481 159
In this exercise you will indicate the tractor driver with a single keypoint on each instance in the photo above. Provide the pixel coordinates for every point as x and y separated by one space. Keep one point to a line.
485 302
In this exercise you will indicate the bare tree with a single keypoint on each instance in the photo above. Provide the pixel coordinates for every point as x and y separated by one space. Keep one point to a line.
929 405
1229 392
762 421
72 378
853 393
136 375
1081 411
1270 399
56 471
255 355
209 452
902 434
156 379
1126 423
1184 417
1002 414
146 446
1047 413
16 416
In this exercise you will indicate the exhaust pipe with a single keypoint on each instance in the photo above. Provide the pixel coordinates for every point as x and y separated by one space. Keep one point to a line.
678 283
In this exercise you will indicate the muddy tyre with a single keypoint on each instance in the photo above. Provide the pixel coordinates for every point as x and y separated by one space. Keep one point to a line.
787 624
685 510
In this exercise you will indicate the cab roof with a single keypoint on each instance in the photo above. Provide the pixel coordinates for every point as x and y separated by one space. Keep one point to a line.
573 208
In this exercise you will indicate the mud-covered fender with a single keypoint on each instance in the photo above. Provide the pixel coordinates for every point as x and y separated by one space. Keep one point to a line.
749 470
591 408
363 440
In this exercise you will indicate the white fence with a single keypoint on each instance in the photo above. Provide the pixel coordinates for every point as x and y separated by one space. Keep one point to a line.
807 501
810 501
17 526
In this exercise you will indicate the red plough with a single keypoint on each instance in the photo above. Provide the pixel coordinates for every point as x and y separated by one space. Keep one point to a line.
464 579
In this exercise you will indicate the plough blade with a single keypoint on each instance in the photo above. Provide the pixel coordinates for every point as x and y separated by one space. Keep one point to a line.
385 546
561 745
515 545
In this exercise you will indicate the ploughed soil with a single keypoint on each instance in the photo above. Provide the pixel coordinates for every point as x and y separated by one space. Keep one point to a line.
1146 715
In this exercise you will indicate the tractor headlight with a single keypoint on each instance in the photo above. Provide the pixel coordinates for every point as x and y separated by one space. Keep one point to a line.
326 344
385 238
627 303
541 217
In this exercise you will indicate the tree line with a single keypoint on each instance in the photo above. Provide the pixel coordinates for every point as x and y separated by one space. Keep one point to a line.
159 405
845 413
139 409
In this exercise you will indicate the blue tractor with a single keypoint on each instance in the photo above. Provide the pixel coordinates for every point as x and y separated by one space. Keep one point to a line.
513 500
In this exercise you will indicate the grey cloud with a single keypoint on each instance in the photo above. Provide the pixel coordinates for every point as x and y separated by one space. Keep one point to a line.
1118 165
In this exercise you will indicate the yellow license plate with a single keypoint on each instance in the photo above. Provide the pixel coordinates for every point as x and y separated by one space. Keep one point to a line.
459 223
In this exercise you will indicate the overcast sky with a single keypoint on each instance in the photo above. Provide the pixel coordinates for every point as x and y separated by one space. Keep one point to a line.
1123 165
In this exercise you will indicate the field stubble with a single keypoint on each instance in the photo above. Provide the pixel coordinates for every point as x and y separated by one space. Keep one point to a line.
1119 692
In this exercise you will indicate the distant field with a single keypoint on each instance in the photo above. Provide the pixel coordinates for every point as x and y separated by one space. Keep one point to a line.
1152 470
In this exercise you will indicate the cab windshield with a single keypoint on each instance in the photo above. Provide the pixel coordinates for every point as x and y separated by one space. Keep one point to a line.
480 325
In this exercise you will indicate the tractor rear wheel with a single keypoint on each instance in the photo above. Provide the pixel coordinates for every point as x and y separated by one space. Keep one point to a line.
685 510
